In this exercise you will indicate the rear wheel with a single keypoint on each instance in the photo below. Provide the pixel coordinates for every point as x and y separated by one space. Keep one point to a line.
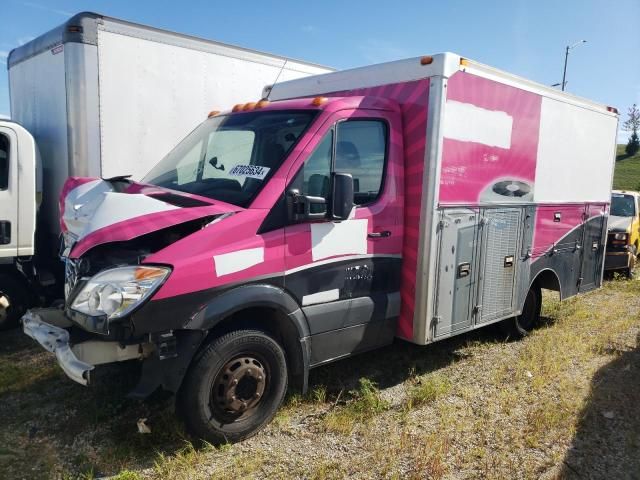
234 387
13 302
524 323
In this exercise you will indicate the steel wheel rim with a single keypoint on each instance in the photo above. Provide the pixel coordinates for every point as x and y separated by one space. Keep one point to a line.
239 386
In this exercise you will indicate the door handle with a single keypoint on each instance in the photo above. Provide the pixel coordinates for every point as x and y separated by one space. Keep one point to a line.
384 233
464 270
508 261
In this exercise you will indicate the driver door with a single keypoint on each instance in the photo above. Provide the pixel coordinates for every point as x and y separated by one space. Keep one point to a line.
346 273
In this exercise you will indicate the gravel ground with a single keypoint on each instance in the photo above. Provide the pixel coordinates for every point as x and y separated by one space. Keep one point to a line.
561 403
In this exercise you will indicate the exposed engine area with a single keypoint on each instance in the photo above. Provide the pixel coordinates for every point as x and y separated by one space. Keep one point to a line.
133 252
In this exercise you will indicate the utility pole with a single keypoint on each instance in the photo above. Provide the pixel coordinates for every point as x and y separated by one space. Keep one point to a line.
566 59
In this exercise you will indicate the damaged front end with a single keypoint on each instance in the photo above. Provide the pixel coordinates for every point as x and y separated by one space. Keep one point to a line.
107 281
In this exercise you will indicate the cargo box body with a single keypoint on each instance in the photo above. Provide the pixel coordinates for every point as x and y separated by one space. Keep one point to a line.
506 181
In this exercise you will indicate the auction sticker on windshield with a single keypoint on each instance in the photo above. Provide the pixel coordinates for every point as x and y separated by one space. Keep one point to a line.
250 171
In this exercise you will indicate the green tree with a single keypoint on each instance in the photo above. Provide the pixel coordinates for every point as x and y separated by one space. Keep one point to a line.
632 124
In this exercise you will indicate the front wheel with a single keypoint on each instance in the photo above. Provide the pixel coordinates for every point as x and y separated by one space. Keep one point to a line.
234 387
524 323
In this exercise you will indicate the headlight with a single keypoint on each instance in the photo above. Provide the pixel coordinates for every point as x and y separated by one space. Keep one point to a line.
620 236
116 292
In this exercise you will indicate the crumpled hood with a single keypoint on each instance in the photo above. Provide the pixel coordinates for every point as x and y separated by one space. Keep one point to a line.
619 224
95 211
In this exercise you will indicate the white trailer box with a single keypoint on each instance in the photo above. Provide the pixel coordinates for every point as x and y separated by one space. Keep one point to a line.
105 97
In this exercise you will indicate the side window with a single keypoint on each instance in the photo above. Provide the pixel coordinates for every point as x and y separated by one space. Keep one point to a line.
316 171
361 150
4 162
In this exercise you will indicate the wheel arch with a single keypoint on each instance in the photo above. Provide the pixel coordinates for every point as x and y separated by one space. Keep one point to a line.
265 307
548 279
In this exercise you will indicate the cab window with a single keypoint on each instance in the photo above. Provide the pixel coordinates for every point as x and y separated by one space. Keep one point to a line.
316 171
361 150
357 147
623 205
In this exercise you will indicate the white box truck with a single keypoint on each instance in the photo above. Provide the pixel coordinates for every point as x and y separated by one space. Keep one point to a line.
103 97
418 199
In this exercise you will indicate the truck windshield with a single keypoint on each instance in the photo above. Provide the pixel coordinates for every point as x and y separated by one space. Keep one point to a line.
622 206
230 157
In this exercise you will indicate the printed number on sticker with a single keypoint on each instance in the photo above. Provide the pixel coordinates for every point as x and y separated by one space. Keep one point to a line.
251 171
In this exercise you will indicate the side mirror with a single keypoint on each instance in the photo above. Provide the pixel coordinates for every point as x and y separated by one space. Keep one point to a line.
341 196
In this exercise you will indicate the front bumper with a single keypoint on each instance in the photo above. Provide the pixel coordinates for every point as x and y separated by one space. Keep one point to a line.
618 260
48 327
56 340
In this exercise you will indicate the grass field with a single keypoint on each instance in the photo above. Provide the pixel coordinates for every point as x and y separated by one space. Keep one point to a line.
627 172
561 403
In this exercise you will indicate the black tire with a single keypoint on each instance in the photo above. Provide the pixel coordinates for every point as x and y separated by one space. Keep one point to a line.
13 301
211 403
524 323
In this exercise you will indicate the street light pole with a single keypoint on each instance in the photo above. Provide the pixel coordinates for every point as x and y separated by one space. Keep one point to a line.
566 59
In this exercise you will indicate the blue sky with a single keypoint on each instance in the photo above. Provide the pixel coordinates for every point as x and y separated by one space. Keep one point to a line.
520 36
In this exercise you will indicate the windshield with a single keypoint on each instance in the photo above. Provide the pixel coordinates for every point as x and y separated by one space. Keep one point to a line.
230 157
622 205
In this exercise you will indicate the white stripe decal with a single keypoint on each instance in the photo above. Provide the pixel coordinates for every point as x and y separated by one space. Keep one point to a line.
321 297
232 262
468 123
340 238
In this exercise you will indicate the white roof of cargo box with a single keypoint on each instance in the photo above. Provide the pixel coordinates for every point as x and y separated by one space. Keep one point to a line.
83 28
441 64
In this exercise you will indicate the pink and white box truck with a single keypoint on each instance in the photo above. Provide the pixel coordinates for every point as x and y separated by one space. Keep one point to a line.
416 199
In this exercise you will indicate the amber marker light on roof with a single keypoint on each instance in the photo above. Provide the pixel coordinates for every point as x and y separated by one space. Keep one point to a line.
464 62
213 113
262 103
426 60
237 107
249 106
319 101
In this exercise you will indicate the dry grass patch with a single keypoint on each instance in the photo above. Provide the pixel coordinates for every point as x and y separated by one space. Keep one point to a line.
474 406
426 389
365 403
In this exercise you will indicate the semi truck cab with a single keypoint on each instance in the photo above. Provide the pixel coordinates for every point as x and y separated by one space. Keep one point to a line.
20 194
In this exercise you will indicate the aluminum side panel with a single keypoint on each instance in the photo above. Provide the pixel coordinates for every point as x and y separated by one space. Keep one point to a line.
153 94
574 143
